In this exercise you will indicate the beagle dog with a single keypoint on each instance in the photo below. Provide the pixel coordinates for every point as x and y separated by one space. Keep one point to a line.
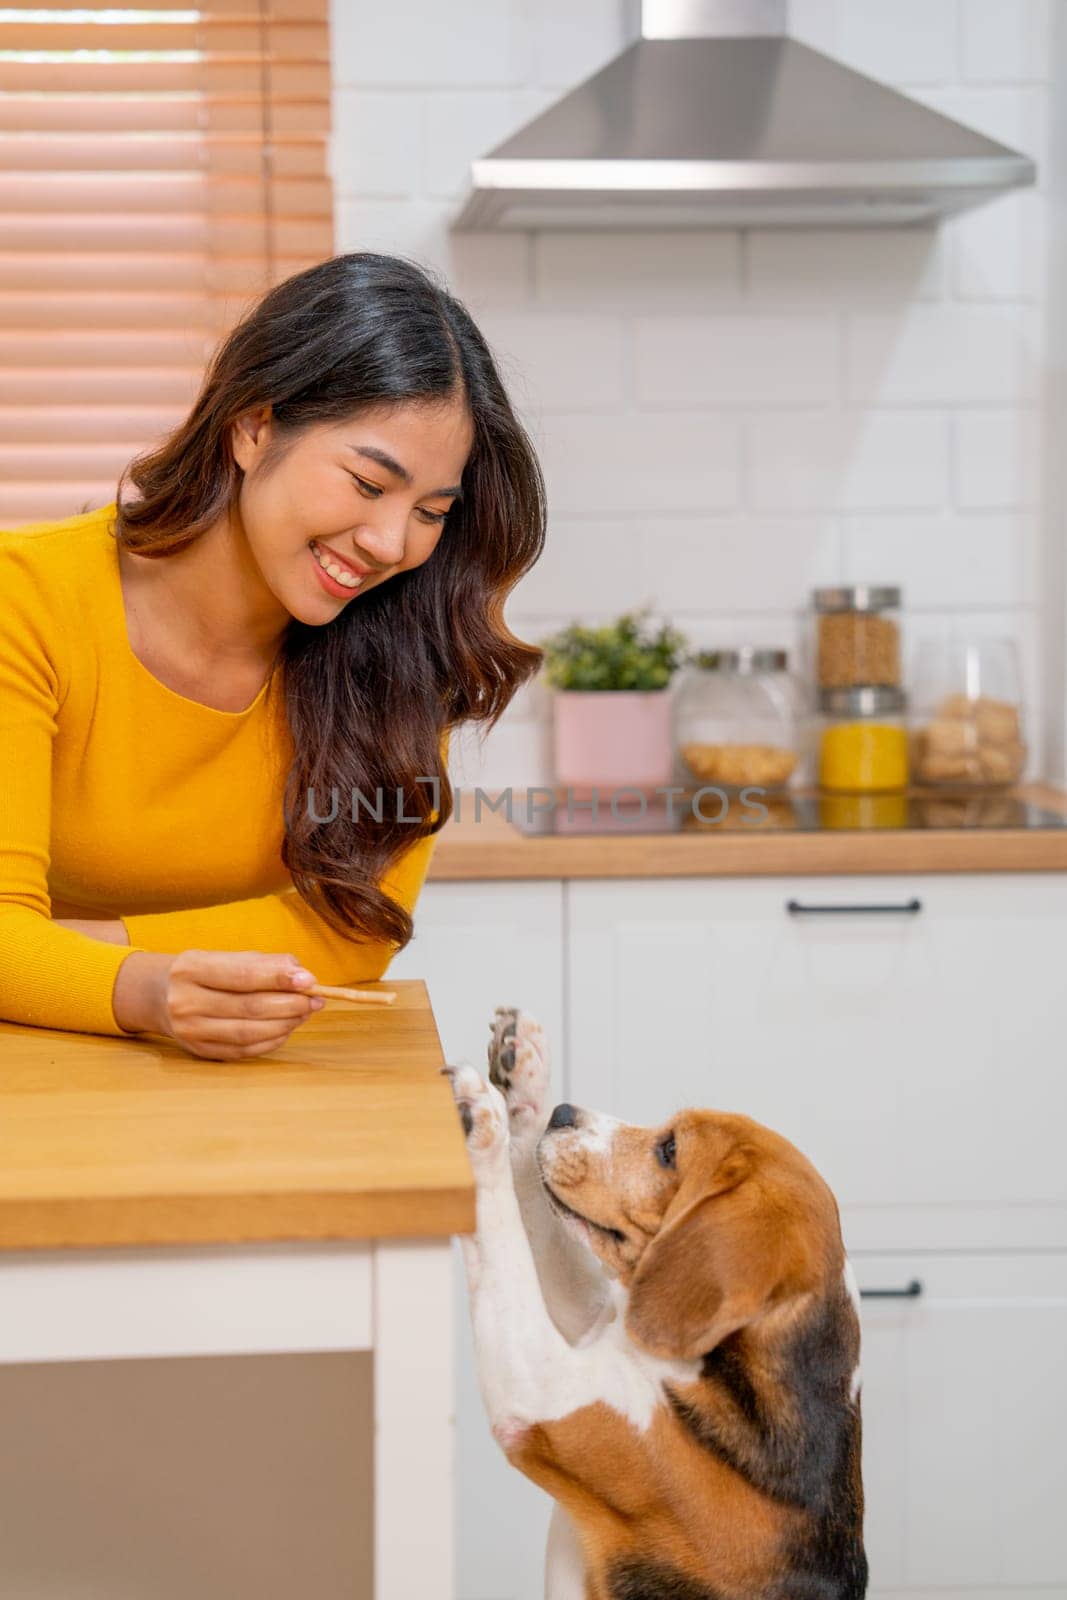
667 1338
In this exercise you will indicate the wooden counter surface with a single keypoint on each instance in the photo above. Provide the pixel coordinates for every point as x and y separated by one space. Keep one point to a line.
348 1131
492 847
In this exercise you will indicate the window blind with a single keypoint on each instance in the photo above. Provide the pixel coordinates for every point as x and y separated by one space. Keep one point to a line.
159 168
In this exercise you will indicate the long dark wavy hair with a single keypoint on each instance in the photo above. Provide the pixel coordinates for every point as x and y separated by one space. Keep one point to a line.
370 694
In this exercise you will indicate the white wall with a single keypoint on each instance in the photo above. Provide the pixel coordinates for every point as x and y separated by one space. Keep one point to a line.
727 418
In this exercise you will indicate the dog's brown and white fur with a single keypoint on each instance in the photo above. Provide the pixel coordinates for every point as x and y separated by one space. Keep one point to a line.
667 1340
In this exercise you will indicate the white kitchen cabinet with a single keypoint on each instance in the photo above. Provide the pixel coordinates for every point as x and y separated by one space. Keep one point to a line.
477 946
483 945
916 1056
964 1404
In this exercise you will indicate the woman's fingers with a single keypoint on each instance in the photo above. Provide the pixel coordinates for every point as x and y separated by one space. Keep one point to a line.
242 971
256 1005
225 1004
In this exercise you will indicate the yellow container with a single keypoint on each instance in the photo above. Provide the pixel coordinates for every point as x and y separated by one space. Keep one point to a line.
863 746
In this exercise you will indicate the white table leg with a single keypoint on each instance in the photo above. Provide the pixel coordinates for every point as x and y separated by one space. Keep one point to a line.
414 1436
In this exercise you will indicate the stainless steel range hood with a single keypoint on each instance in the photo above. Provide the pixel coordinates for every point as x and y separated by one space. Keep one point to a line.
715 118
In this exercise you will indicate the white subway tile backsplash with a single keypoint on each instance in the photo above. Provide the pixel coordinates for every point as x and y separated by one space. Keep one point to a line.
681 565
423 44
720 564
559 360
997 460
461 126
861 461
488 269
562 44
482 269
376 142
775 630
736 360
998 249
1005 40
591 566
698 267
940 355
727 418
908 41
843 267
415 228
814 23
656 461
518 750
953 561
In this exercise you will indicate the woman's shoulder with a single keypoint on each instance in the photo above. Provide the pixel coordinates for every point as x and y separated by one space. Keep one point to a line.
76 531
61 556
51 574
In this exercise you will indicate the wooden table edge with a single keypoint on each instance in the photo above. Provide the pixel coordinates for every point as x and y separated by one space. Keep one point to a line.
148 1221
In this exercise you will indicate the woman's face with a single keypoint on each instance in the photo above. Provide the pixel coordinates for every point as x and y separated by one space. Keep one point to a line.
368 496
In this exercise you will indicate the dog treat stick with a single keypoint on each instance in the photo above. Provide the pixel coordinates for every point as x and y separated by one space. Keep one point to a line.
370 997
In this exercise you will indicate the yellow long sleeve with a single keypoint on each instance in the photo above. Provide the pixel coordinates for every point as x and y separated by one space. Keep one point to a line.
284 921
122 799
49 976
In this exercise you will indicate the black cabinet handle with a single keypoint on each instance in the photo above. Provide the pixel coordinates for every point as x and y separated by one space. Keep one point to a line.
908 908
911 1292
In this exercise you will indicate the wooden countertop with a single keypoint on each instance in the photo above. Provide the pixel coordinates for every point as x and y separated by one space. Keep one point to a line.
490 847
348 1131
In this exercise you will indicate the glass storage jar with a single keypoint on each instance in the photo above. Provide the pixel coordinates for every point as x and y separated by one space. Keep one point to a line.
967 727
857 636
736 717
862 740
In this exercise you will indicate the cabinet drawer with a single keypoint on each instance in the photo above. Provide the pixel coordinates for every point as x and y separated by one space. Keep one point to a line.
964 1401
914 1054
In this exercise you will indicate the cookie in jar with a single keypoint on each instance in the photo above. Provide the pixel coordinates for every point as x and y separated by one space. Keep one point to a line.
968 729
736 720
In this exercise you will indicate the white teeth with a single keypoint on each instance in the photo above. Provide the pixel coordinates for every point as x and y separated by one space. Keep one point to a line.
339 574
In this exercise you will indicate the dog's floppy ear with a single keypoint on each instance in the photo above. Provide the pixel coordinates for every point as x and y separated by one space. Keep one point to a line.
712 1267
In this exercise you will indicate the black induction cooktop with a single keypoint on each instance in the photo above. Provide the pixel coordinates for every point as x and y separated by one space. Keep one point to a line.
540 811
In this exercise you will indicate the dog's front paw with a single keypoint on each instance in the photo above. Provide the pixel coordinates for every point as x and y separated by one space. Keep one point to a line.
485 1119
518 1065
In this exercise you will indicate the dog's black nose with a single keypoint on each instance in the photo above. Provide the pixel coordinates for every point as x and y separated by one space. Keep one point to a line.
564 1116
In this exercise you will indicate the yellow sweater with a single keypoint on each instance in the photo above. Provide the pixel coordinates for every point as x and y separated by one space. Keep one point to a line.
120 798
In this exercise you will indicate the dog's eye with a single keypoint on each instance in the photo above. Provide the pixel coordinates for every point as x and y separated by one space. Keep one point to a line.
665 1151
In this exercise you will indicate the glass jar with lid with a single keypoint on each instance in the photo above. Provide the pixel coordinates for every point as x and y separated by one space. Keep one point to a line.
857 637
968 728
862 740
736 719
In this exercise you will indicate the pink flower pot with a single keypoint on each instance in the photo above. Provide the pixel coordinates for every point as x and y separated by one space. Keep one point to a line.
608 739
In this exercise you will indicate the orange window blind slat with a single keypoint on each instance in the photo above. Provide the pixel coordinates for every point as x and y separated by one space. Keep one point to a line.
160 167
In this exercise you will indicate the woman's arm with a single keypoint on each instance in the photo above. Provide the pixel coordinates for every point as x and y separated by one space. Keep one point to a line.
51 976
110 932
139 982
284 921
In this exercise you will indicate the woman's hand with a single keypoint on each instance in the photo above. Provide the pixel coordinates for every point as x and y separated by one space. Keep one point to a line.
222 1005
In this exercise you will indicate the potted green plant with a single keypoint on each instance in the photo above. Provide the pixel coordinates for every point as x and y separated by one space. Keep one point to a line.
612 722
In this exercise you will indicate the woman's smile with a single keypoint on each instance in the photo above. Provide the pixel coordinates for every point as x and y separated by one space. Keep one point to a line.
339 575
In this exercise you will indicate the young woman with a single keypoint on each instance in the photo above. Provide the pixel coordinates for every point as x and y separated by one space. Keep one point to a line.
225 703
